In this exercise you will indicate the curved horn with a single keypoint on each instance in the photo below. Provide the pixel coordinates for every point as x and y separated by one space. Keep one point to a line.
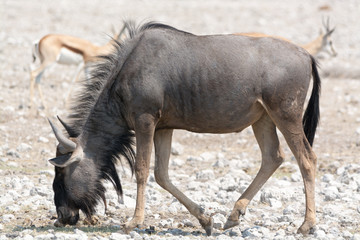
68 129
66 144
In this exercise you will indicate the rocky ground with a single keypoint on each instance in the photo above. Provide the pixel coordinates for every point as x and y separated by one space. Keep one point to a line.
213 170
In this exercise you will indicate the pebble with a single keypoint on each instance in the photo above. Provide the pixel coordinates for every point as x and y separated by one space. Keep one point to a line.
177 149
23 147
205 175
211 178
219 220
43 139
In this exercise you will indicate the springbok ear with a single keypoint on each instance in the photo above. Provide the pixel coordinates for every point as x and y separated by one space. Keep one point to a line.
63 161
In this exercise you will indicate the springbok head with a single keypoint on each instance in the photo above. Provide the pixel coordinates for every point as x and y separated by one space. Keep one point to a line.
327 43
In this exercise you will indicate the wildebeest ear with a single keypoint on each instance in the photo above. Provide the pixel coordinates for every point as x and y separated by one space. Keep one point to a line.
63 161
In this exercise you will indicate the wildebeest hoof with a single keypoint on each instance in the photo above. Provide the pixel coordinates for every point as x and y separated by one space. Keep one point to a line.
207 224
230 224
208 229
91 221
57 223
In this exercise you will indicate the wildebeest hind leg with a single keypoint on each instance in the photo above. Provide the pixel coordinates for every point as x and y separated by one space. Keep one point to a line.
162 142
306 159
272 157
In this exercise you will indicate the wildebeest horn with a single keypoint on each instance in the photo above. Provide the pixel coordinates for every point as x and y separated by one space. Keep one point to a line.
67 127
66 144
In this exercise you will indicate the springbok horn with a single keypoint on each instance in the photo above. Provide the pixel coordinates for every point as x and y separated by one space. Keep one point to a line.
67 144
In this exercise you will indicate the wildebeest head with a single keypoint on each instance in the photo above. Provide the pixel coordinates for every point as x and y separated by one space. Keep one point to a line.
82 164
78 179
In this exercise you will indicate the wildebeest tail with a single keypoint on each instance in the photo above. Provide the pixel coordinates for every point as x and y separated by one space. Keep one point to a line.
312 113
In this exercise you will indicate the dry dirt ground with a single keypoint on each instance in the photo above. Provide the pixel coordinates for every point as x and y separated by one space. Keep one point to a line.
337 141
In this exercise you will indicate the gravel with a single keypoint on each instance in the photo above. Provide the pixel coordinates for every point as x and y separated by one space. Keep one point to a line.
212 170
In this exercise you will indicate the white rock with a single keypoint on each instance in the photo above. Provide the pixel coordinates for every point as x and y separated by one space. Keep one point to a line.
221 163
205 175
13 164
219 220
166 223
23 147
320 234
223 237
228 183
239 174
119 236
177 162
255 232
194 159
286 218
27 237
6 218
188 223
129 202
356 236
177 149
13 153
275 203
296 177
340 170
208 156
12 208
49 173
358 130
173 208
49 236
289 210
194 186
43 139
327 178
331 193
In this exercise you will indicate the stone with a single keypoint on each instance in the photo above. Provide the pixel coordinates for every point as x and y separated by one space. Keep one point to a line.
327 178
6 218
205 175
188 223
43 139
331 193
219 220
177 149
23 147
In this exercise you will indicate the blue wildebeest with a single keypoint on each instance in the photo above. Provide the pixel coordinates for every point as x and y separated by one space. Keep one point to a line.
162 79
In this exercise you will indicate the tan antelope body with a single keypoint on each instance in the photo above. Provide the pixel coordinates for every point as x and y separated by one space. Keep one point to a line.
64 49
322 43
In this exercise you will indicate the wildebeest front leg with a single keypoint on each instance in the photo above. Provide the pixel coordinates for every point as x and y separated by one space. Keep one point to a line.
144 139
272 157
162 142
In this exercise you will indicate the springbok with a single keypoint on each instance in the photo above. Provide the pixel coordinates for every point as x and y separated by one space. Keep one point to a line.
323 43
161 79
64 49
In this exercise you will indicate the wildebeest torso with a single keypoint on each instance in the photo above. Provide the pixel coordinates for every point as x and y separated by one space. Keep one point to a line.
214 84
